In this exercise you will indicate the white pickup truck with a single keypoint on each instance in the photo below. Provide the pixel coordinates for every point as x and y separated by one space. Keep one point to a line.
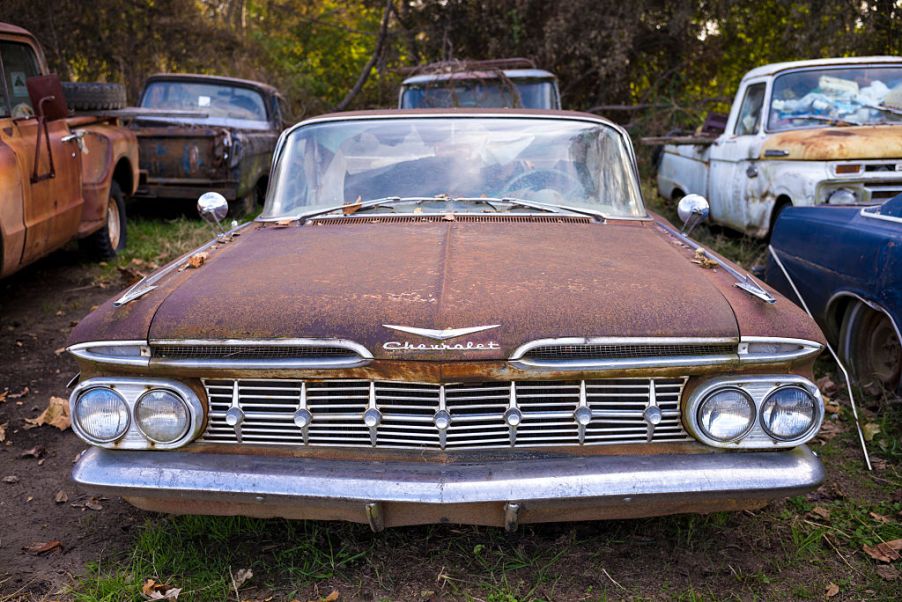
799 133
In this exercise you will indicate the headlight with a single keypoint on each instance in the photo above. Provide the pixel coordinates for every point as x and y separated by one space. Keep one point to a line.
842 196
726 414
788 413
162 416
101 414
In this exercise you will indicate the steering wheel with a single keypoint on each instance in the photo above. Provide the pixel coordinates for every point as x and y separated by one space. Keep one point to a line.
543 179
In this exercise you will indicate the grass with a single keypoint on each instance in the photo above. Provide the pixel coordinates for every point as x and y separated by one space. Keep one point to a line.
785 551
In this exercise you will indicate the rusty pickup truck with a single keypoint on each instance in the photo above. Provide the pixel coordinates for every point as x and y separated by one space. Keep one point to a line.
225 147
799 133
62 177
449 316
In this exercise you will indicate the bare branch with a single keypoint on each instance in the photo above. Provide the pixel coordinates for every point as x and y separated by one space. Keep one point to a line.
377 52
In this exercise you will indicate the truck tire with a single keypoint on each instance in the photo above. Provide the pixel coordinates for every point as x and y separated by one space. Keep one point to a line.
106 242
94 96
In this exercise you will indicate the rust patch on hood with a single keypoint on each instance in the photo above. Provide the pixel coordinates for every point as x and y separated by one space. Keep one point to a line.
532 280
830 144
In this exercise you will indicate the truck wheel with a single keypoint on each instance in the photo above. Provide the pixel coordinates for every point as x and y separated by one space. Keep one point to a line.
870 347
106 242
94 96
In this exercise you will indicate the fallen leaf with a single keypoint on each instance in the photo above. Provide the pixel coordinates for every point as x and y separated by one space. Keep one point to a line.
137 261
888 572
59 351
11 479
241 576
129 275
895 544
94 504
826 385
35 452
197 260
149 586
832 590
61 497
283 223
43 547
332 597
832 408
870 429
3 395
881 552
880 518
703 260
878 463
56 414
821 512
24 392
3 431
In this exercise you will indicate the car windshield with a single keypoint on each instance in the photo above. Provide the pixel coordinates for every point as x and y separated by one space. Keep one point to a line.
216 100
563 162
488 93
865 95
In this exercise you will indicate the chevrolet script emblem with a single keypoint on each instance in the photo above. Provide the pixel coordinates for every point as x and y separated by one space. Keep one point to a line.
440 335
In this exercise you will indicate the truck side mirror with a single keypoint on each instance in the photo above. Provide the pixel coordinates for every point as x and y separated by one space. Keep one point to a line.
47 97
693 209
213 207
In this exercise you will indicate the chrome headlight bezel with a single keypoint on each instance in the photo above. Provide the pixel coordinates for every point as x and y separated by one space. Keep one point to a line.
82 432
142 427
131 390
758 388
816 421
753 416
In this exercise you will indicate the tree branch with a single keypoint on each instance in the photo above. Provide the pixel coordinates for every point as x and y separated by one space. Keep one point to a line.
377 52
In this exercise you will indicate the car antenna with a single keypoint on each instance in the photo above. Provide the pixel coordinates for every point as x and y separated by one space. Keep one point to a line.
864 449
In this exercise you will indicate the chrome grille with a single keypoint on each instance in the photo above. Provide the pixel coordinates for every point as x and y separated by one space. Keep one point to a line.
408 415
442 218
246 352
882 190
623 351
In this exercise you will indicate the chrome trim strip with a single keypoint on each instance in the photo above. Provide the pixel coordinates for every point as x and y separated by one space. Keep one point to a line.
869 212
83 351
807 349
758 387
744 282
364 355
132 389
520 351
148 283
615 480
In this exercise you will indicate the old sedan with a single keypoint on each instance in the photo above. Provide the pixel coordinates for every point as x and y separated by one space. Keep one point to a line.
449 316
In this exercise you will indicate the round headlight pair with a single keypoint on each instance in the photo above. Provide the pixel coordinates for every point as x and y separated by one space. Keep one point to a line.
728 414
161 415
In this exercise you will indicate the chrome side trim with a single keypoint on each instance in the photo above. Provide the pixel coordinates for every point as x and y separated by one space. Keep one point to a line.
758 387
870 213
618 480
83 351
132 389
870 304
148 283
806 349
744 282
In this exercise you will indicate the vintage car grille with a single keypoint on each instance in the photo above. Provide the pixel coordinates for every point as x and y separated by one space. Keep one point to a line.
619 351
458 217
247 352
410 415
883 190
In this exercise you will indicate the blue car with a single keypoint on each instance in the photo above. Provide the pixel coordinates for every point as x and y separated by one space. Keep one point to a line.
846 262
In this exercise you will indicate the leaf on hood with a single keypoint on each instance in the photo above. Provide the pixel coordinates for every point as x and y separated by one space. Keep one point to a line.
831 591
56 414
351 208
703 260
882 552
197 260
43 547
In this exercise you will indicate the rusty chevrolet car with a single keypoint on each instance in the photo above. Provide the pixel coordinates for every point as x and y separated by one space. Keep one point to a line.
449 316
225 147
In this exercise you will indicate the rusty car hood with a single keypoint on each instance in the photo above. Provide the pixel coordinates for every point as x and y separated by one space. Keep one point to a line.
836 143
532 280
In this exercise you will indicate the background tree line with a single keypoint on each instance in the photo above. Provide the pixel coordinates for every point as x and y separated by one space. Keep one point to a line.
671 56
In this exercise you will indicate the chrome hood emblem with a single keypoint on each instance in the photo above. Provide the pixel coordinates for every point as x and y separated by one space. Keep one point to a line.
440 335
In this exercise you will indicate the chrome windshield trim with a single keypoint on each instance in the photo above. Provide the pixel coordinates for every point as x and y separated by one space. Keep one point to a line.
744 282
806 349
84 351
149 282
364 356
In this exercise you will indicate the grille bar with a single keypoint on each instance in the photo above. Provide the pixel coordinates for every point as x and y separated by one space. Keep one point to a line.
387 414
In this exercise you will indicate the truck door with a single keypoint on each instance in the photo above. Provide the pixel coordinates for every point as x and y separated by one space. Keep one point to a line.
732 160
53 199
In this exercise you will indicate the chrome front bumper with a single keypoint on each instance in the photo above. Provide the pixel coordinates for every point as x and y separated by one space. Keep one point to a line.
503 493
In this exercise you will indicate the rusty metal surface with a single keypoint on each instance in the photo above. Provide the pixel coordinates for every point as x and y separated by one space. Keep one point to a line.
833 144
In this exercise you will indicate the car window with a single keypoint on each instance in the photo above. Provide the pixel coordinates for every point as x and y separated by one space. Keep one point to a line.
488 92
216 100
749 120
19 63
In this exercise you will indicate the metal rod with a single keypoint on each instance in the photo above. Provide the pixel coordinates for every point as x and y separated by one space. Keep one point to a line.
864 449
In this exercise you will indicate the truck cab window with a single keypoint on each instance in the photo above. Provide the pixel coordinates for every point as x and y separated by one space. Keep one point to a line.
19 63
749 120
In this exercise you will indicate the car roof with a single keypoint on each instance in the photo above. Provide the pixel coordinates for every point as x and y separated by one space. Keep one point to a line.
479 74
199 77
774 68
454 112
10 28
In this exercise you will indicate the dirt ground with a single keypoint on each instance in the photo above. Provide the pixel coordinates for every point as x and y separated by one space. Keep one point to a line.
38 307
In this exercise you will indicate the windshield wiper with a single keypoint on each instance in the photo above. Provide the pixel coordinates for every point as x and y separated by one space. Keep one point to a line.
883 108
541 206
830 120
